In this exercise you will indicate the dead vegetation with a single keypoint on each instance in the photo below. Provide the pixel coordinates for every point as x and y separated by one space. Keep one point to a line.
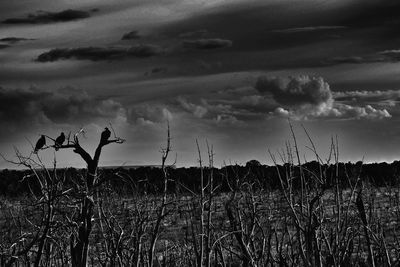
313 220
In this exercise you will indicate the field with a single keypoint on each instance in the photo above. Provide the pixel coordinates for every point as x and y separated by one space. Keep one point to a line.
245 227
290 214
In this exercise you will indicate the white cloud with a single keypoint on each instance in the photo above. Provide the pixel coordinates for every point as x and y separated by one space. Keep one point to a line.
281 112
367 112
198 111
149 113
305 98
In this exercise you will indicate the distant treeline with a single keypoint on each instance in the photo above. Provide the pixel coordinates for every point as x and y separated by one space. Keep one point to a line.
150 179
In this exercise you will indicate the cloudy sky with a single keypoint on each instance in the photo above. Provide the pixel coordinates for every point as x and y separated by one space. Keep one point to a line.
228 71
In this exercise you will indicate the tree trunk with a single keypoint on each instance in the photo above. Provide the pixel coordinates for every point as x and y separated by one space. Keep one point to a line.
80 246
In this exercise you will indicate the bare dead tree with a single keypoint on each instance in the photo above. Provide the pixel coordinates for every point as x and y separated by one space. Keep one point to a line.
249 228
210 198
79 241
46 201
162 209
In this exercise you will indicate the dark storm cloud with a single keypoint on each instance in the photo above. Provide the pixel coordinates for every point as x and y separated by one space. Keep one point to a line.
131 35
21 107
193 34
318 31
13 40
374 13
230 20
391 55
346 60
99 53
156 70
9 41
309 29
251 26
383 56
207 43
49 17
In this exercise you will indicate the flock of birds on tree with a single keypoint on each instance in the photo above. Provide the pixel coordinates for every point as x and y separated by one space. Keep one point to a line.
59 141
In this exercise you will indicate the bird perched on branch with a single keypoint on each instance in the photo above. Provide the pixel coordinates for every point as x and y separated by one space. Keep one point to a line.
59 141
40 143
105 135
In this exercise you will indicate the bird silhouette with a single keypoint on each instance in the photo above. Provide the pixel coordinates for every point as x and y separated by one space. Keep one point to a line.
105 135
59 141
40 143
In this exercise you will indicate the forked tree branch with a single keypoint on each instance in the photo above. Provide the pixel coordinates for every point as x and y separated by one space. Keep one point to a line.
77 148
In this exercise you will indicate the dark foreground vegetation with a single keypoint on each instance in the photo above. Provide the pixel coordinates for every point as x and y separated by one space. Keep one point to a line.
320 213
149 179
